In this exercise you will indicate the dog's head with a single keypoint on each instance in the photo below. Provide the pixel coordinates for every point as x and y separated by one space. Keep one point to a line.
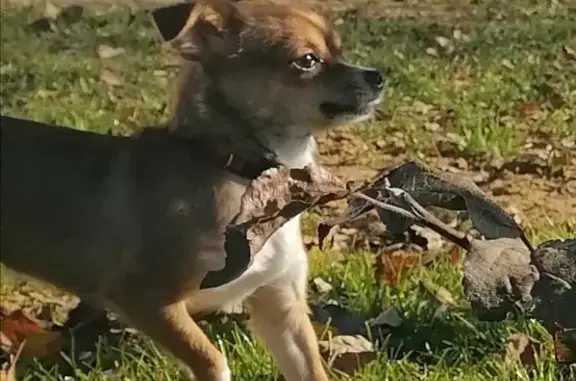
273 60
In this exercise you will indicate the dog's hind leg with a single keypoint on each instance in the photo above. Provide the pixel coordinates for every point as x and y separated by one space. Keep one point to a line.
172 327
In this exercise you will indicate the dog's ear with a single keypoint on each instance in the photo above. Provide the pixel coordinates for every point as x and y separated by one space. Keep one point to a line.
207 28
171 20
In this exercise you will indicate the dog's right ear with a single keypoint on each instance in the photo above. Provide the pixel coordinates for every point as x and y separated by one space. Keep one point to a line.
202 30
171 20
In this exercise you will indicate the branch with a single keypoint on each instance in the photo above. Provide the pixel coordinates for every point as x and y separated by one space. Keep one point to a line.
432 221
388 207
419 215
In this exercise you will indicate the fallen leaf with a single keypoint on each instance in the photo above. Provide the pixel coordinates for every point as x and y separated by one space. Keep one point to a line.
531 110
521 349
454 255
19 331
498 276
321 286
274 198
565 345
348 354
393 267
16 327
444 190
108 52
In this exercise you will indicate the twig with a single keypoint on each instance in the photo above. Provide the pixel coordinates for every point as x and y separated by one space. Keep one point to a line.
423 217
434 222
388 207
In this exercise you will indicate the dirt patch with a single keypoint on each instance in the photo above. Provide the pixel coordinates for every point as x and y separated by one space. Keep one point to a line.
529 195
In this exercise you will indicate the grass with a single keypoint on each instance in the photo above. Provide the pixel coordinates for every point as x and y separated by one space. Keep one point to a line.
474 86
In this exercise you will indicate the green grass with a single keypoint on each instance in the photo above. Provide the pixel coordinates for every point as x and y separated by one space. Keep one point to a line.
507 57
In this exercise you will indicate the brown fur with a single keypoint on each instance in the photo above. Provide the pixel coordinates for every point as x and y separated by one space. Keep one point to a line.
136 224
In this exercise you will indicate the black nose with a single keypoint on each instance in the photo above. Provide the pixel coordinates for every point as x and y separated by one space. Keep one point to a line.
374 78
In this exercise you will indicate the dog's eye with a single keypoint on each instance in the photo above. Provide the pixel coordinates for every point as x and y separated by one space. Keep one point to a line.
307 62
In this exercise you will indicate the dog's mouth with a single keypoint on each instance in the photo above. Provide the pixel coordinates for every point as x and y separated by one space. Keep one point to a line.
337 110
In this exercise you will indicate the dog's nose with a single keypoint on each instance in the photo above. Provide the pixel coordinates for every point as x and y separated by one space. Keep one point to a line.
374 78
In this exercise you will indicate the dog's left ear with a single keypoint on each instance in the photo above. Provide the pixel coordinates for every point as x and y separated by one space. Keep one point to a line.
171 20
202 30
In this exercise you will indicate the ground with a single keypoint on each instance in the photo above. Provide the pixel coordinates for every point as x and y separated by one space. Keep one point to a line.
484 88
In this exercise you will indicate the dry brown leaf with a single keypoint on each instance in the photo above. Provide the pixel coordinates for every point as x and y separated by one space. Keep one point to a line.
19 331
565 346
348 354
429 187
521 349
454 255
393 267
531 110
16 327
275 197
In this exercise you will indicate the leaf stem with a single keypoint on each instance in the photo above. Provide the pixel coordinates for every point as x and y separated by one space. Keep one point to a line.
388 207
422 217
435 223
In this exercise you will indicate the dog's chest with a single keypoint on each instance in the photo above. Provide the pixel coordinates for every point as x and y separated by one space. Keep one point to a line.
283 253
282 256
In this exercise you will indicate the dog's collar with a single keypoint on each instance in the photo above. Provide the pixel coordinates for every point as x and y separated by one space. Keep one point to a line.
233 162
229 161
248 169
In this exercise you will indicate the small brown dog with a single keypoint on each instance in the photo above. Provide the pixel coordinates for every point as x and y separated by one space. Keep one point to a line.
136 224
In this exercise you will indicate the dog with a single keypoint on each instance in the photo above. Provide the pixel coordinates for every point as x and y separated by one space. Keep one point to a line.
136 224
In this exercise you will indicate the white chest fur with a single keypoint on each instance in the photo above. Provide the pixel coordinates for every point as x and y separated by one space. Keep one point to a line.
282 255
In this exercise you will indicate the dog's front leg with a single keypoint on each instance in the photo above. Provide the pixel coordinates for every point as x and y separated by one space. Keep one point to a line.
172 327
279 316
